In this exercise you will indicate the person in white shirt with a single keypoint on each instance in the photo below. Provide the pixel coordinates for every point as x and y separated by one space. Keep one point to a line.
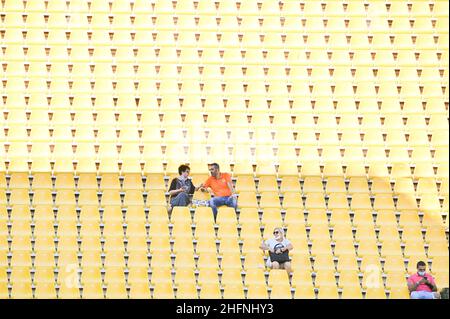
278 248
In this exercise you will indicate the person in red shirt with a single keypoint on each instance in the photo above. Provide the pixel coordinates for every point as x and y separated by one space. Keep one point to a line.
221 187
421 285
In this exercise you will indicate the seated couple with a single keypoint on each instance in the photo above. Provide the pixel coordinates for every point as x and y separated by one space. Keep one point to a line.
219 185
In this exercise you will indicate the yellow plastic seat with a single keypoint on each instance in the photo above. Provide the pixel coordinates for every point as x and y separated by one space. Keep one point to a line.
180 231
69 291
20 274
292 200
290 184
429 203
132 197
114 275
181 215
436 249
409 219
19 180
87 197
269 200
300 260
227 232
312 185
66 213
413 249
114 258
375 293
203 214
231 277
156 198
255 276
41 181
161 275
399 293
343 229
162 259
319 231
210 291
44 274
337 201
114 214
87 181
388 233
365 230
360 202
204 230
19 197
19 213
246 184
187 291
383 202
137 228
251 232
89 214
347 262
349 278
280 292
294 217
155 182
45 291
304 292
363 218
67 260
140 291
133 181
226 215
134 213
335 185
91 275
328 292
156 214
93 290
116 291
381 185
254 260
233 291
231 260
89 228
396 280
208 260
325 278
109 181
394 263
267 184
358 185
367 247
138 275
110 197
271 215
441 278
21 290
432 219
163 291
439 264
257 291
386 218
21 258
351 292
185 259
247 199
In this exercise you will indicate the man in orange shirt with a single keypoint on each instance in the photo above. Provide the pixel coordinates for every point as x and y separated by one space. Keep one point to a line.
221 187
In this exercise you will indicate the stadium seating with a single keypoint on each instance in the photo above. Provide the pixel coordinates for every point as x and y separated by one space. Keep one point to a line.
333 125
